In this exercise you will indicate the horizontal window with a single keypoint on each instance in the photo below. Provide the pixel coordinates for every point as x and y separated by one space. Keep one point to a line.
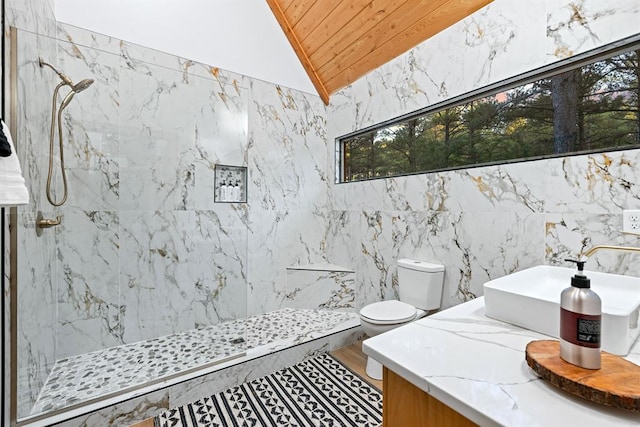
579 106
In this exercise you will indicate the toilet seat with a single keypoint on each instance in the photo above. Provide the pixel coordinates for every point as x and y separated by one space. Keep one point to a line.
388 312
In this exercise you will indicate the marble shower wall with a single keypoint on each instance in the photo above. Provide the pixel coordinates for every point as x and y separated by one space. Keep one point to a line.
223 118
143 250
288 187
36 16
483 223
34 21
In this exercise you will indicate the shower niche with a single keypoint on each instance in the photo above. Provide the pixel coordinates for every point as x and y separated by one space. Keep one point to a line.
230 184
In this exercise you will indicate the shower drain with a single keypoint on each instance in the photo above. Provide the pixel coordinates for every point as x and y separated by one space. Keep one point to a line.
237 340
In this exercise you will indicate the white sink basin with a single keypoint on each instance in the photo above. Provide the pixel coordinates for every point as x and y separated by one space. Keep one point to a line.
531 299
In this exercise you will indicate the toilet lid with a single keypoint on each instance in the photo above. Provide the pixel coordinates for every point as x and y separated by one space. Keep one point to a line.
388 312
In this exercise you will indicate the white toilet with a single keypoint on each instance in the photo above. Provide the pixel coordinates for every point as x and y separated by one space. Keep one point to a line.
420 289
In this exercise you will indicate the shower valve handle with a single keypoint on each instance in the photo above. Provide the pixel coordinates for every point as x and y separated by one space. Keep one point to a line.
42 223
48 222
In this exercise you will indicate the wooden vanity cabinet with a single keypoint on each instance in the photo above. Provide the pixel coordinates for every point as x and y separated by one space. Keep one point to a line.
405 405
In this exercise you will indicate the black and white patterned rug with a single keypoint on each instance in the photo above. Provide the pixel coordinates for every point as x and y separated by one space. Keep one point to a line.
320 391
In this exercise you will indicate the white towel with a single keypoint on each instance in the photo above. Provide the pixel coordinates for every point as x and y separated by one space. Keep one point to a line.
13 190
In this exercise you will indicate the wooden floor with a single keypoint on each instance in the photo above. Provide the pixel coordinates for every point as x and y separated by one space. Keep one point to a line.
145 423
352 356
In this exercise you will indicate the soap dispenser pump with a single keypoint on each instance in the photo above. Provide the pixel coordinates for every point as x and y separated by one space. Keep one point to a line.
580 321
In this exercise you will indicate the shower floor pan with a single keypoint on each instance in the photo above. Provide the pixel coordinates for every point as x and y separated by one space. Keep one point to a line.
87 377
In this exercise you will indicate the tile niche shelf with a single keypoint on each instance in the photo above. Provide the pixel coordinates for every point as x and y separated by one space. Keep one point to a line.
230 184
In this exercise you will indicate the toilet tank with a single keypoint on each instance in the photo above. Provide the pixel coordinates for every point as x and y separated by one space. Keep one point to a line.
420 283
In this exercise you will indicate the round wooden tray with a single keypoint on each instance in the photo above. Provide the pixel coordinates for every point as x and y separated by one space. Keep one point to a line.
616 383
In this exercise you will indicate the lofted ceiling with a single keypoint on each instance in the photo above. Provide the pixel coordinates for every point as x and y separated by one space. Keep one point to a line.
339 41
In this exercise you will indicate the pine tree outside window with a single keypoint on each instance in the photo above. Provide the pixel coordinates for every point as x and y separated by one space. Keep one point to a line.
572 109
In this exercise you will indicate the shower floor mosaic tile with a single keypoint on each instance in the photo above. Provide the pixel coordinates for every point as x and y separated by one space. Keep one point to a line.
88 376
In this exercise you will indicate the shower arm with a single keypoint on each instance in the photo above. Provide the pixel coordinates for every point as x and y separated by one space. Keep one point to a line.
64 78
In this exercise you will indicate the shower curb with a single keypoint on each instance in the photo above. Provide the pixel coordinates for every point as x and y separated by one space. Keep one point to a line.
126 410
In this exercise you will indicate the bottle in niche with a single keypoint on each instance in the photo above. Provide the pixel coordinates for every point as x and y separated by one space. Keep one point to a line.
580 321
236 191
224 191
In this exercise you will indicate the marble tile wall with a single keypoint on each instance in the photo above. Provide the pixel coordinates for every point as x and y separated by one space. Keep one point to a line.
143 250
36 16
278 133
36 343
482 223
321 286
288 186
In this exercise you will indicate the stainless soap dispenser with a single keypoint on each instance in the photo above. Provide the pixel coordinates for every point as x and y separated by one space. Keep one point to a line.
580 321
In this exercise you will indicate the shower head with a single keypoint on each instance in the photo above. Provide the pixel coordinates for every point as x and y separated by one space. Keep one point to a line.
78 87
67 99
64 78
81 85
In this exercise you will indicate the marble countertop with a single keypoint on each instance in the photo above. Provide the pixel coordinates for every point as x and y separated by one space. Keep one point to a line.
476 365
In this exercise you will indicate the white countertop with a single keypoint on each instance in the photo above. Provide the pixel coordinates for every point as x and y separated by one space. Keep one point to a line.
476 366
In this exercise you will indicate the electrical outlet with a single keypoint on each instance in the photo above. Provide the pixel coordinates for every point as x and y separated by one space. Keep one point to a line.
631 220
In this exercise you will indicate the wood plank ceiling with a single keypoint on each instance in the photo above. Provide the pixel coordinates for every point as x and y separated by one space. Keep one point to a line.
339 41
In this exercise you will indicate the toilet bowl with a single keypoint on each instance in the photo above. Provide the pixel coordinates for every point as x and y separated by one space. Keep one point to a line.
384 316
420 289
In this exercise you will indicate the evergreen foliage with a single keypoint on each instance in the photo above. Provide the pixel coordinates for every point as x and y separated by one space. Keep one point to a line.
592 108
